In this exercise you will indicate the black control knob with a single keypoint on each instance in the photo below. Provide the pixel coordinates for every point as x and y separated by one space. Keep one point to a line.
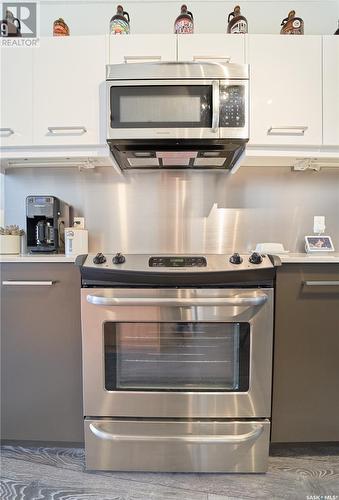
99 259
236 258
255 258
119 258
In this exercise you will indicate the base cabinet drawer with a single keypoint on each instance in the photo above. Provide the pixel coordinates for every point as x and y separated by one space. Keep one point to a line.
305 405
177 446
41 384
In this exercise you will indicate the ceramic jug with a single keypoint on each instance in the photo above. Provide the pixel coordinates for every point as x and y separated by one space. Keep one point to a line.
292 25
120 22
10 26
184 22
236 22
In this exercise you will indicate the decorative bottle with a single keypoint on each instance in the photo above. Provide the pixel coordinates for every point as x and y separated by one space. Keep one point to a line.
120 22
236 22
292 25
60 28
184 22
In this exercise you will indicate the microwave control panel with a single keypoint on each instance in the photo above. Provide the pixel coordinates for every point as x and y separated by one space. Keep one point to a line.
232 106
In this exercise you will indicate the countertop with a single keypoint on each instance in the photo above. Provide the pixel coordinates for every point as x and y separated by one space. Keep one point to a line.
37 258
287 258
306 258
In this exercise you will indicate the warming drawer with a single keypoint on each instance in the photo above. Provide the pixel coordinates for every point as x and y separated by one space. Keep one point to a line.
177 446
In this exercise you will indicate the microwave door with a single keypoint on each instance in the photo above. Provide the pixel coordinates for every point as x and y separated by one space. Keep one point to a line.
163 109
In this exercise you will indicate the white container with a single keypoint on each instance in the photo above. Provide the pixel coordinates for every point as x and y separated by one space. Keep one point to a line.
272 248
9 244
76 241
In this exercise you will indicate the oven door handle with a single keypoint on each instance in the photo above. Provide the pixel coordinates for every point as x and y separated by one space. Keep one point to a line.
257 430
256 300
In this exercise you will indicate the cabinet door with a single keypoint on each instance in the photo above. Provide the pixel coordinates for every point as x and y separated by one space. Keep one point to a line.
331 90
215 48
306 370
142 48
286 90
69 85
16 105
41 388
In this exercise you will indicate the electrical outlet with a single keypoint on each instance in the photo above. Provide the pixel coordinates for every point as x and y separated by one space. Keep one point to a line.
79 222
319 224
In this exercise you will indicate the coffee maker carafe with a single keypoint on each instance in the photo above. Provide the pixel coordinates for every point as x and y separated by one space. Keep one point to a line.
46 218
44 233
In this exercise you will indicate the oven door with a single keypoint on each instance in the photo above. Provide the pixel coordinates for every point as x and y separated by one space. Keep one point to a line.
177 352
163 109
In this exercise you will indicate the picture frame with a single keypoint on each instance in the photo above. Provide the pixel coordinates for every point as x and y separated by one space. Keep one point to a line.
318 244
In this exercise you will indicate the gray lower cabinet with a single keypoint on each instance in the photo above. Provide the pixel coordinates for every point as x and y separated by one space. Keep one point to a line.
41 389
306 354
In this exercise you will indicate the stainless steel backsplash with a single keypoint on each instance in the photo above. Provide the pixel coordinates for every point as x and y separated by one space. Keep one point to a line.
185 212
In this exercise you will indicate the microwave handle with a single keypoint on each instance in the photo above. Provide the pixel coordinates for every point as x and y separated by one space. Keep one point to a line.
215 106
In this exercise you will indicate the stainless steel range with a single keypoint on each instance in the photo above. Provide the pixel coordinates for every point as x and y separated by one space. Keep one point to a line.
177 361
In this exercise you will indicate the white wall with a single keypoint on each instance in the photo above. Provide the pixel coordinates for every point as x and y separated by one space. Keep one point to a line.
264 16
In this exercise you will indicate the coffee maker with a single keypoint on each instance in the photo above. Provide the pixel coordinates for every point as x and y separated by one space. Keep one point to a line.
46 218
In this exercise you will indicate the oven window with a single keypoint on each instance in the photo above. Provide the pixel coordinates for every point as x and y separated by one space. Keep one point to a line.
177 356
162 106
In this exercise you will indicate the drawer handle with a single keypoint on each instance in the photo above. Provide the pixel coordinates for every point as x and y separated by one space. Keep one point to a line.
287 130
6 132
128 59
321 283
100 300
27 283
212 58
257 430
63 130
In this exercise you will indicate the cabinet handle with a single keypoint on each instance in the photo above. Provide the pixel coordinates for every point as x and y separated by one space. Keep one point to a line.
6 132
61 130
321 283
128 59
212 58
27 283
287 130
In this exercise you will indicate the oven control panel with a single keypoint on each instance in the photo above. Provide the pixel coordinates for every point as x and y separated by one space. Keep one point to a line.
177 261
180 263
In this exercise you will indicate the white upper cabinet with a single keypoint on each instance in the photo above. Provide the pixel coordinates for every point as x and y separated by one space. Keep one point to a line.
331 90
142 48
16 106
213 48
69 90
286 90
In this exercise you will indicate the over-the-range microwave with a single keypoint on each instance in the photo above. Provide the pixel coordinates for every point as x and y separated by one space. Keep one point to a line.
181 115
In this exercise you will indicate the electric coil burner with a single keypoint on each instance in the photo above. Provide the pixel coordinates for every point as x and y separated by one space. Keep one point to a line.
177 361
